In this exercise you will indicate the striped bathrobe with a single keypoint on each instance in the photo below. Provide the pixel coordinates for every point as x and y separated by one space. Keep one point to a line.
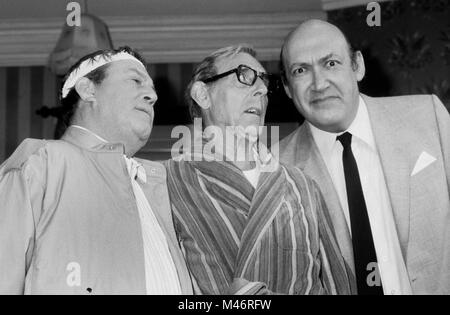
275 239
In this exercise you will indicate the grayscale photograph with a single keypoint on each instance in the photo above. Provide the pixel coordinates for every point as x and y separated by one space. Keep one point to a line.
237 150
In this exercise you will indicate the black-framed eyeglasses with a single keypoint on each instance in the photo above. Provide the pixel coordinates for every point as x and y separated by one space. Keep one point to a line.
244 74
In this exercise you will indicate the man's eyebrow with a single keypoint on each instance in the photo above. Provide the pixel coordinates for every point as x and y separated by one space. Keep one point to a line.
136 71
299 64
144 75
327 57
305 64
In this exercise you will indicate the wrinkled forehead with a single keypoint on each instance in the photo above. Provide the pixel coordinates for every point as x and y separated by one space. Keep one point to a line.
314 42
230 62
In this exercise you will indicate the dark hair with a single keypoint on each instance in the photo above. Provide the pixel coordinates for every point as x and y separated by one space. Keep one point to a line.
351 52
70 102
207 68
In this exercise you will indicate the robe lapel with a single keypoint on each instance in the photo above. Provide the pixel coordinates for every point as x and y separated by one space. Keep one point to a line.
311 162
388 132
266 204
157 195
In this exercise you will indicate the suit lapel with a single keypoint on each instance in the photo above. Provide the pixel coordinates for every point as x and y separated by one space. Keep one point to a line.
313 165
388 130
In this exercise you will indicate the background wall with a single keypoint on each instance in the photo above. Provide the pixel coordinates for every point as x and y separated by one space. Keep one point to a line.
23 90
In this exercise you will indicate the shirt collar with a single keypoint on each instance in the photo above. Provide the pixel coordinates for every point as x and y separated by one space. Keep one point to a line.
360 129
91 132
136 170
87 139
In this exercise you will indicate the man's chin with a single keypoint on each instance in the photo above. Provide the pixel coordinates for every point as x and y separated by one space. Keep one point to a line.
144 133
332 126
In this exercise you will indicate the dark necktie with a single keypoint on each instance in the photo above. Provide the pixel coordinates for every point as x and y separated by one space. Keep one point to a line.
363 247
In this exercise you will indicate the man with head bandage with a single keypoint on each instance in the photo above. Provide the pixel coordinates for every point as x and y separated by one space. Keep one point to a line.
80 215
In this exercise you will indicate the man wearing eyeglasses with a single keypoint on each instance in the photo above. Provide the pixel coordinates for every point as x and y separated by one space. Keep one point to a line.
247 224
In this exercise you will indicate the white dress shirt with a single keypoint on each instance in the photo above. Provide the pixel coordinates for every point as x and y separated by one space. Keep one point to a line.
160 273
252 176
391 264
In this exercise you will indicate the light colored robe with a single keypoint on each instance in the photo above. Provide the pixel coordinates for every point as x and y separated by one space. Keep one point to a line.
69 223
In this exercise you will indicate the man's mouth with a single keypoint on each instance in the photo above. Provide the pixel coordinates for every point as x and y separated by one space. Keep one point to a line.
253 111
322 99
148 111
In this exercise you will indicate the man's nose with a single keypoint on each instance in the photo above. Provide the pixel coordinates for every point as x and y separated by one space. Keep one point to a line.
150 96
320 81
260 87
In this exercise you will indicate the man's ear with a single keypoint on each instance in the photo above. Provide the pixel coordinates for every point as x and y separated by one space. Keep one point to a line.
85 89
200 95
286 87
360 71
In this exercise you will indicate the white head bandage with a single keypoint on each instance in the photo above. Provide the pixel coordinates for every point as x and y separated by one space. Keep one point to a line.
90 65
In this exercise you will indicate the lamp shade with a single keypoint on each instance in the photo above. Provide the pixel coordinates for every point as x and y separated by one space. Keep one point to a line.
78 41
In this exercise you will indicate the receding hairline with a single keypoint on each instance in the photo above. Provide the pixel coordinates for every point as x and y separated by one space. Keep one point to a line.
227 54
312 24
226 61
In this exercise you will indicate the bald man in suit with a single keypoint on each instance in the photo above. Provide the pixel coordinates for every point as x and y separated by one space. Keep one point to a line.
383 165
